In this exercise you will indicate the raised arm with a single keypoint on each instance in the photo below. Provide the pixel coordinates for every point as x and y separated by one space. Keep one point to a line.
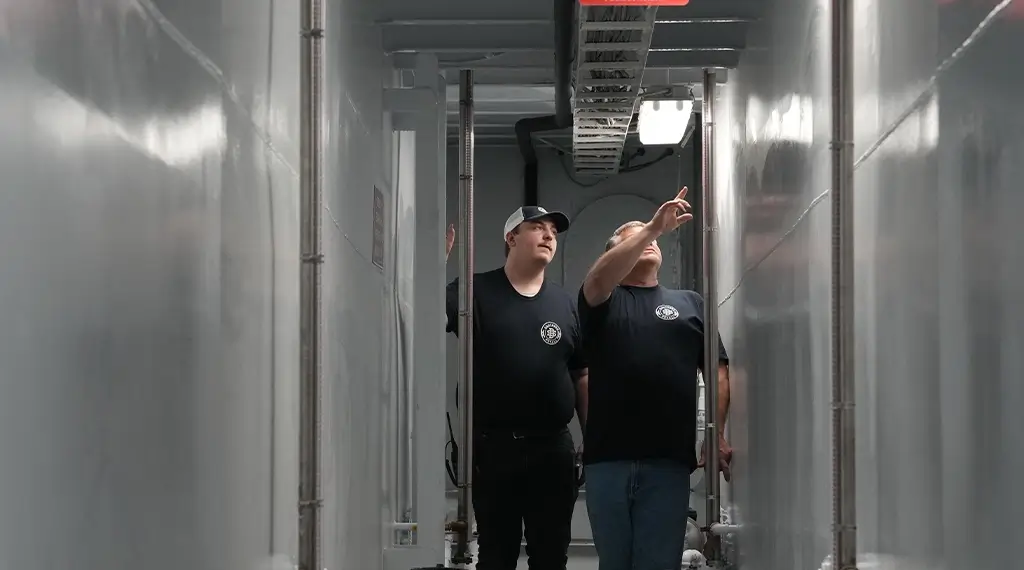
449 241
613 266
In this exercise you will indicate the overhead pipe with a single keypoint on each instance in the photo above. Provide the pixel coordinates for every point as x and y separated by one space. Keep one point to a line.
564 19
405 526
844 514
310 314
464 526
710 275
722 529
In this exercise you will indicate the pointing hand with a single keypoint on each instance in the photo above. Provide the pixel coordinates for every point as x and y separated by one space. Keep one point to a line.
671 214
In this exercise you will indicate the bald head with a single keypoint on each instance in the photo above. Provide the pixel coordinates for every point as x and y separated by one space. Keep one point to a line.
616 236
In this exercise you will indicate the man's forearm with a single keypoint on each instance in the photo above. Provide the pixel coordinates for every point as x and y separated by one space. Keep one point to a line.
615 264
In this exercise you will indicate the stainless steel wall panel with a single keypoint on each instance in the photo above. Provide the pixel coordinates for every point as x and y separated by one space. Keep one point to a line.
355 290
139 356
773 164
934 187
149 284
978 308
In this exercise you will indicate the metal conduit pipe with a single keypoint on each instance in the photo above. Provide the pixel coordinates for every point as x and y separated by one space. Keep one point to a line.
844 514
311 209
710 259
565 28
464 528
722 529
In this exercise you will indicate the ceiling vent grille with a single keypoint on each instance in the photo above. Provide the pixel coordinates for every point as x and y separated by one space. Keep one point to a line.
611 53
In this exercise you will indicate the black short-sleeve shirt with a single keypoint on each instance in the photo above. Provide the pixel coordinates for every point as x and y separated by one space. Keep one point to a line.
523 351
644 346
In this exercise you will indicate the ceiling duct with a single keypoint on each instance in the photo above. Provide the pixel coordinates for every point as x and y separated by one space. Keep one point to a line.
564 28
611 53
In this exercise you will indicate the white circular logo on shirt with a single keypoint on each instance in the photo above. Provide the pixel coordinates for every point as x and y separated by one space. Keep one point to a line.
550 333
666 312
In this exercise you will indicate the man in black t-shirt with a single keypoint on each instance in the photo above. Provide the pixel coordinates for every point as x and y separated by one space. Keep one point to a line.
528 377
644 345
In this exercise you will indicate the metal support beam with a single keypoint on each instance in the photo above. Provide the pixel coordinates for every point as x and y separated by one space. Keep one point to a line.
504 39
477 22
844 514
710 269
409 100
428 347
428 320
464 527
527 69
310 285
406 105
724 57
421 110
474 22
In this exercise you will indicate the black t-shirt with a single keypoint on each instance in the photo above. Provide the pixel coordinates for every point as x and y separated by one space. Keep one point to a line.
644 346
523 351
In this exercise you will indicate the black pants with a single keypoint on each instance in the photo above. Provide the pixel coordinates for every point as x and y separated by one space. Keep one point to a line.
524 480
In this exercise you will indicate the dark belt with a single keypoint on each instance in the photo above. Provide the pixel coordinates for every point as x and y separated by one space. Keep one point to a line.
510 434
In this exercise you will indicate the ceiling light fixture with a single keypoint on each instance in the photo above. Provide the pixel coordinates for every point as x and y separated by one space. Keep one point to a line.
663 122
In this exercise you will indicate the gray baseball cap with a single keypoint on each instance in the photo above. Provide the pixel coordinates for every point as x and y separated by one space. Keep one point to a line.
531 213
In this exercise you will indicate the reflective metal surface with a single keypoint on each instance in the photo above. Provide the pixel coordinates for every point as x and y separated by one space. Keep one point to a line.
709 258
311 259
149 284
938 342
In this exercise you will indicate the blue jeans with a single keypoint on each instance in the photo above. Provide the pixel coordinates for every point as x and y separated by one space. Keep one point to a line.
638 512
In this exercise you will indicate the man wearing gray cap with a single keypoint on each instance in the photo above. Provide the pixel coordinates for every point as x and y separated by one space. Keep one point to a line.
528 377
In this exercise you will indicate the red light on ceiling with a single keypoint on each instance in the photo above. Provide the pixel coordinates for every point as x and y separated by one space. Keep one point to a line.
634 2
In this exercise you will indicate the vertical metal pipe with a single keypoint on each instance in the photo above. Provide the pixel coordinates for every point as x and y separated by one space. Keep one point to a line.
398 500
844 514
465 236
691 234
311 208
409 441
710 253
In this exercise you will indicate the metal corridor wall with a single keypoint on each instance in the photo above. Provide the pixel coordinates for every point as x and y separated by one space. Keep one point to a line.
934 87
